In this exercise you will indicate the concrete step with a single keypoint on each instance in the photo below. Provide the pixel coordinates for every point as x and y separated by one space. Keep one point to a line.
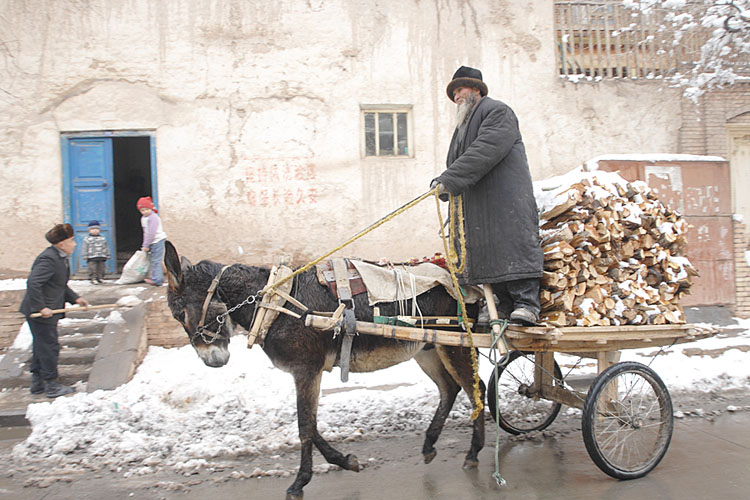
94 313
77 356
95 355
79 341
68 326
67 374
15 400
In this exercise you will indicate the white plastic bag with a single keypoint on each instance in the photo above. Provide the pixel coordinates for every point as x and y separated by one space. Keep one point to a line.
135 270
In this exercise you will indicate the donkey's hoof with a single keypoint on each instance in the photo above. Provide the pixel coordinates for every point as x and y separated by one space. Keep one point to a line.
430 456
471 463
294 496
352 463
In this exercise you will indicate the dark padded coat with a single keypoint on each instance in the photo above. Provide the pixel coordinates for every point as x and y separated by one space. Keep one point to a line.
492 174
47 285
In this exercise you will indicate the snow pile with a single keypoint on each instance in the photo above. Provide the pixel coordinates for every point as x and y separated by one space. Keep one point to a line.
177 411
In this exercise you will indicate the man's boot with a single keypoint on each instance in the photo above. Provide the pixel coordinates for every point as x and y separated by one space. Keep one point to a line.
54 389
524 316
37 384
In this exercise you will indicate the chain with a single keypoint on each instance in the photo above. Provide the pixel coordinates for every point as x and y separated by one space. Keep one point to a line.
222 318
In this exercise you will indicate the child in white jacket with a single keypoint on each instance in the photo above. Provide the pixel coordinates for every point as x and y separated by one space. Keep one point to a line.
153 239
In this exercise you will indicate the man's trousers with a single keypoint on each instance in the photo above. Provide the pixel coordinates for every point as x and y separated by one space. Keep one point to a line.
45 349
517 293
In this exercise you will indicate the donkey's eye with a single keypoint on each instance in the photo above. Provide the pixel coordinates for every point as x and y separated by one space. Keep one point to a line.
181 316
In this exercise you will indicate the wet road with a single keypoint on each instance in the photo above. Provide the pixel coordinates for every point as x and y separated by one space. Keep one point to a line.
706 459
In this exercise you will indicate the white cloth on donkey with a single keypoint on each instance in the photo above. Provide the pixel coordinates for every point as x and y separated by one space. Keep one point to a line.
391 284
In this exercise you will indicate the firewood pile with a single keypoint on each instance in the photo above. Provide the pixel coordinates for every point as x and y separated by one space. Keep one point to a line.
612 254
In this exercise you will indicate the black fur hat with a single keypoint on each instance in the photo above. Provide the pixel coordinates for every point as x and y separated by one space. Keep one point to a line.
59 233
467 77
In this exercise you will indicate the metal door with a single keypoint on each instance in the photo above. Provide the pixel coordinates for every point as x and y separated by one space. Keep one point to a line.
87 166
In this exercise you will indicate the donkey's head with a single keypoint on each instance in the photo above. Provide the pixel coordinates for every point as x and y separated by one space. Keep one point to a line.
186 295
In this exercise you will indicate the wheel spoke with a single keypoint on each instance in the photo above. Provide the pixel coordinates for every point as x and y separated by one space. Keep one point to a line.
629 421
519 411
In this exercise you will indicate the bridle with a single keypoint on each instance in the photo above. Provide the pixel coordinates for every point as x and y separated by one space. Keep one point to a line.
206 335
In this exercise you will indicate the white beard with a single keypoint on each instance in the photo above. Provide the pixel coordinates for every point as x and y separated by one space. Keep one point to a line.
464 110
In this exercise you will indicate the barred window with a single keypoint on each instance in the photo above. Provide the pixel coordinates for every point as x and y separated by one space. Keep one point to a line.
386 130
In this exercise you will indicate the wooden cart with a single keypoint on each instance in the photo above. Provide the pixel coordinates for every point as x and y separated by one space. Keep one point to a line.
627 420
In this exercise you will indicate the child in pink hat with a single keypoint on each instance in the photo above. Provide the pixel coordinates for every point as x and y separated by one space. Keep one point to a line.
153 238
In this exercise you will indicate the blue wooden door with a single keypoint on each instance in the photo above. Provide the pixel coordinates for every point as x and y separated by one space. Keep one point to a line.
89 192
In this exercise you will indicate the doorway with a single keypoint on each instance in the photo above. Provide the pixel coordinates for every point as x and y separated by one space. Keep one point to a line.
104 174
132 179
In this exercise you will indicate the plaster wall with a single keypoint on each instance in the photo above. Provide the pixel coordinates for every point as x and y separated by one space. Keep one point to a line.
255 107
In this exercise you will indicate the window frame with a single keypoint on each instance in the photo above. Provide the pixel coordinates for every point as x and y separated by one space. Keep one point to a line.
392 109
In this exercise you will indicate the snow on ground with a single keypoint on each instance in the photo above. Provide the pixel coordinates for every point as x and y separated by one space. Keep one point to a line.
176 413
13 284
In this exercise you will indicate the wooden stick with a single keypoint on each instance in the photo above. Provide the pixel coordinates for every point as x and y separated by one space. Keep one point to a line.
260 313
74 308
280 309
400 332
492 309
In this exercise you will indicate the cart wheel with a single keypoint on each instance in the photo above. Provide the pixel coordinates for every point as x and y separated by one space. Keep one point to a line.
627 420
522 412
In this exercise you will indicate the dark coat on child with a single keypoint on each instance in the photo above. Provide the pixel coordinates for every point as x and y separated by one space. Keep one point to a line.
95 247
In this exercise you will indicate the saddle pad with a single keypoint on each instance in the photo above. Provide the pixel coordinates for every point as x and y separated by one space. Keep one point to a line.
324 271
389 284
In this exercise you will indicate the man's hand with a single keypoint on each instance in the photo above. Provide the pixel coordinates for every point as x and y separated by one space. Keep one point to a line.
81 302
46 312
443 193
436 184
145 249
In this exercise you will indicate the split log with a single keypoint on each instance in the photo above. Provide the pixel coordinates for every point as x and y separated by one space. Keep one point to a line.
613 256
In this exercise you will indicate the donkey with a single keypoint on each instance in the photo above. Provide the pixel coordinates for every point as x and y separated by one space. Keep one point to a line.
305 352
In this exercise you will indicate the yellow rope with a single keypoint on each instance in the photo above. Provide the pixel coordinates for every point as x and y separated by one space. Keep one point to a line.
451 233
372 227
450 253
477 393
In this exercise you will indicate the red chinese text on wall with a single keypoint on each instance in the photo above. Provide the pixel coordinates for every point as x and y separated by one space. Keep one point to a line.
281 184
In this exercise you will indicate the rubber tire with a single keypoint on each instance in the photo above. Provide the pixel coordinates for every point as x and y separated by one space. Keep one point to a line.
504 423
663 437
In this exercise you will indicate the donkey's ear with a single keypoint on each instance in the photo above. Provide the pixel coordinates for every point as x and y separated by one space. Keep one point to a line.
185 262
172 263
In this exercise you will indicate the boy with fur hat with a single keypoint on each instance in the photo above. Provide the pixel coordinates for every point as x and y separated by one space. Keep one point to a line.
95 250
153 239
47 289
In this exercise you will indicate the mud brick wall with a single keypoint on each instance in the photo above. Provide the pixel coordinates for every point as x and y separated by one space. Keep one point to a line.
741 271
10 319
704 125
163 330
